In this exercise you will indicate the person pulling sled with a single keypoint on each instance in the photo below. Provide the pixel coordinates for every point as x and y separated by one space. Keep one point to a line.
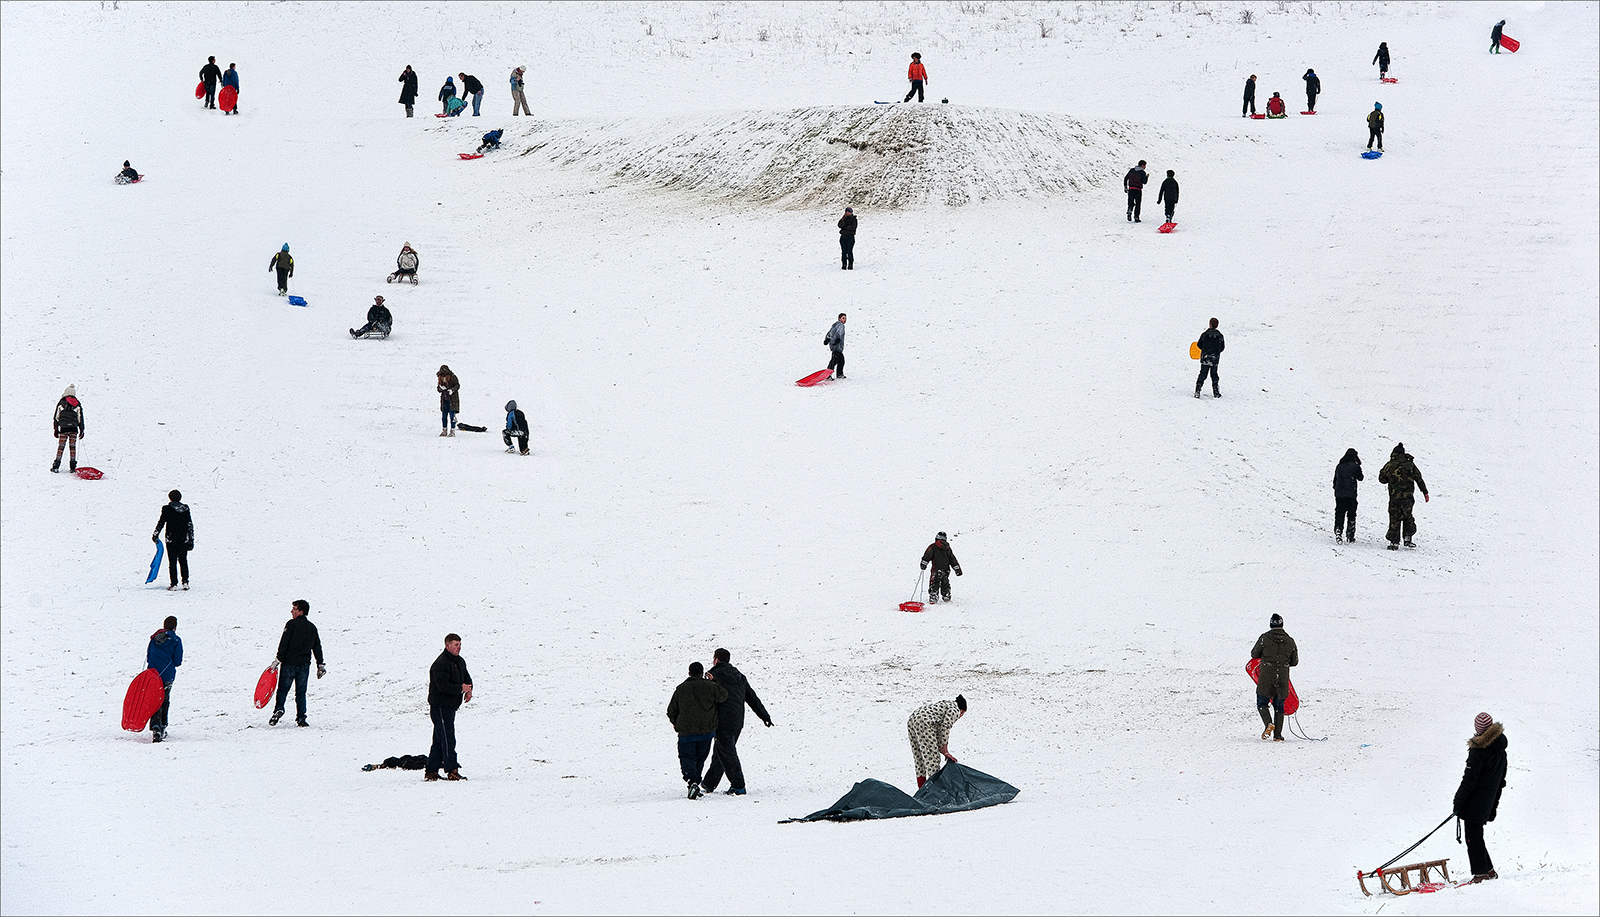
943 560
405 266
283 263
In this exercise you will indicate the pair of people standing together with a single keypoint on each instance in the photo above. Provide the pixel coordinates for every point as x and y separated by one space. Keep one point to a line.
707 712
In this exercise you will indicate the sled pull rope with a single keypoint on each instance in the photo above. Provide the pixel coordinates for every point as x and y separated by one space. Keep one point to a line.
1380 869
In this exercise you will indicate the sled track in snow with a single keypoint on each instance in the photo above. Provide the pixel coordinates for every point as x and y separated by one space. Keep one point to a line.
878 156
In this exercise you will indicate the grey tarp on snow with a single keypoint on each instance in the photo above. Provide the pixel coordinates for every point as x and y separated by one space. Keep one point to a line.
956 788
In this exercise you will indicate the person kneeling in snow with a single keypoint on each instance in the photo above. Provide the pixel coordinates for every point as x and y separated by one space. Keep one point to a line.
379 320
930 735
491 142
516 425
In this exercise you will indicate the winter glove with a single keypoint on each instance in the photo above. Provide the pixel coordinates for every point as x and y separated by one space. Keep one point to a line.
189 545
1424 498
958 571
155 537
274 665
321 671
769 723
924 565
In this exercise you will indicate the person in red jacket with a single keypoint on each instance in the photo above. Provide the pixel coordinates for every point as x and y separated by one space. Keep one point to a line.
918 75
1275 107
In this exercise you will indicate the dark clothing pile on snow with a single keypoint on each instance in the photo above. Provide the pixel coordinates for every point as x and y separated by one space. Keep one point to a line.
299 642
693 708
445 679
165 654
955 788
400 762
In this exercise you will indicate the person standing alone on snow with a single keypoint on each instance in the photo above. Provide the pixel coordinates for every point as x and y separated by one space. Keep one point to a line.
1169 195
943 560
1375 126
210 74
180 537
231 79
518 100
693 715
1382 60
1402 476
1249 97
1211 347
1345 476
1134 183
847 240
408 89
164 654
68 426
471 87
295 649
449 401
1478 797
918 75
1278 655
836 341
1313 87
283 263
1494 37
449 686
516 425
730 722
929 728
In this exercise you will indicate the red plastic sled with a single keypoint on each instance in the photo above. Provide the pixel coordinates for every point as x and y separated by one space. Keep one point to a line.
144 698
1166 227
227 98
1259 117
1290 703
470 155
200 89
1509 43
1387 79
89 474
265 685
821 375
911 606
440 114
1308 113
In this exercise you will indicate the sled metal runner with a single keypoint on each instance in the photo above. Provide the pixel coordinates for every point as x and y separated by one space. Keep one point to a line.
1404 875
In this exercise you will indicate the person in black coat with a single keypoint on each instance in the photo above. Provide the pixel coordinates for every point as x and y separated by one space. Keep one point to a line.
449 686
1211 347
1494 37
1345 476
471 87
1134 183
1313 86
295 649
944 560
1249 97
408 89
516 425
129 174
847 240
179 524
68 426
730 722
1382 59
210 75
1477 800
379 320
1169 194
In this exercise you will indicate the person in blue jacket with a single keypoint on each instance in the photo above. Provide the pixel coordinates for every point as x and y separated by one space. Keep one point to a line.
164 655
230 77
447 92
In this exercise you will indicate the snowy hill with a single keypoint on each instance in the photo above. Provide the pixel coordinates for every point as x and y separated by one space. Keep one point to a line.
646 267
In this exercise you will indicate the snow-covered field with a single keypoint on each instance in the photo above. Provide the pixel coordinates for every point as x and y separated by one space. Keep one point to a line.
646 268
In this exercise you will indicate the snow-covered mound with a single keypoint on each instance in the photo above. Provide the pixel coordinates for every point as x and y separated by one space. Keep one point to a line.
880 156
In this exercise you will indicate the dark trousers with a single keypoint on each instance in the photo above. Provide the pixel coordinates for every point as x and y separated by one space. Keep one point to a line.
847 249
1401 522
1276 718
725 759
522 439
939 583
1249 106
1344 508
1207 367
1311 101
442 754
1477 852
1375 134
837 360
1135 202
211 94
1172 207
300 675
177 559
158 722
692 751
916 90
283 281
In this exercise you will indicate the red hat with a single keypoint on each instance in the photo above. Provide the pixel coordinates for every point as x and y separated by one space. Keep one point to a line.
1481 722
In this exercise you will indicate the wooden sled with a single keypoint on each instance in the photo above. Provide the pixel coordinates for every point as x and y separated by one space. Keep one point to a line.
1403 874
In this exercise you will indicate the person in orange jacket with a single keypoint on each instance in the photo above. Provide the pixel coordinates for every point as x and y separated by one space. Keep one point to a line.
918 75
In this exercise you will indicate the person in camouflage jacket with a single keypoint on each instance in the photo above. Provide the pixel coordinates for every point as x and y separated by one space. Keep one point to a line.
1403 478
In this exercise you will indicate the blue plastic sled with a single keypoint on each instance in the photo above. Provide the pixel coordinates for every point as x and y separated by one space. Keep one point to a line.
155 565
297 300
1372 154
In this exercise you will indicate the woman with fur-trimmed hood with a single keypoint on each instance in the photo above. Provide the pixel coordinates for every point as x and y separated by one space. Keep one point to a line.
1478 798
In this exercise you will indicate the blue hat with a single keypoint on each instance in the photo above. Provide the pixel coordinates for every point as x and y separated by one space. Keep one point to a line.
449 79
1378 106
285 246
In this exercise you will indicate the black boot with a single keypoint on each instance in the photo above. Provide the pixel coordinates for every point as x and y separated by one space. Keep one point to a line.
56 466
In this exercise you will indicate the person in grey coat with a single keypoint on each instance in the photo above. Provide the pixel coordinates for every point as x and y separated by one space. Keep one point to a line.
1345 476
1278 654
834 340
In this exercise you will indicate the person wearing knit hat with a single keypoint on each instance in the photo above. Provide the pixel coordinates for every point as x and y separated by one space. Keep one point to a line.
283 263
929 728
1477 799
129 174
943 560
447 92
519 102
405 266
1278 654
449 400
1402 476
68 427
516 425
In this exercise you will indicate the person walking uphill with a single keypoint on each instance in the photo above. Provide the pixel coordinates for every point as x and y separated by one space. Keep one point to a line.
834 340
449 400
164 654
693 715
471 87
1382 60
230 80
1402 476
1211 346
1313 87
1345 476
918 75
449 686
929 728
283 263
210 75
518 100
1278 655
408 89
68 427
1477 799
1375 126
847 240
730 722
1249 97
1134 183
176 520
1169 195
1494 36
295 649
943 560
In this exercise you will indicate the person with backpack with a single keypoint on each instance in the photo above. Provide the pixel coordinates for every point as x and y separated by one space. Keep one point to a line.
379 320
1345 477
295 649
1313 87
164 654
1275 107
1494 36
847 240
1169 195
408 88
1402 476
1375 126
918 75
517 426
1278 654
1211 345
834 341
449 401
1477 799
1382 60
943 560
1249 97
471 87
68 427
230 80
447 92
179 524
1134 183
210 75
491 142
518 100
283 263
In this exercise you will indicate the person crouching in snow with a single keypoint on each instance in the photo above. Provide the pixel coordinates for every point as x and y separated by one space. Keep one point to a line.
943 560
930 735
491 142
516 425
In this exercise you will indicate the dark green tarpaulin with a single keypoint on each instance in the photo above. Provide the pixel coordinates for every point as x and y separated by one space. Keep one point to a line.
956 788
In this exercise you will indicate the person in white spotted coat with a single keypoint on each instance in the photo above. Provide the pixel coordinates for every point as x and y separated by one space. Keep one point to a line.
930 735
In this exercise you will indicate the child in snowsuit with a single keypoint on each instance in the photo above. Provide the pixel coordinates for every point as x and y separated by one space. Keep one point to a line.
1402 476
1382 59
1375 126
491 142
943 560
918 75
516 425
1169 195
447 92
1134 183
929 729
1278 654
1477 799
68 427
1345 476
284 265
449 401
